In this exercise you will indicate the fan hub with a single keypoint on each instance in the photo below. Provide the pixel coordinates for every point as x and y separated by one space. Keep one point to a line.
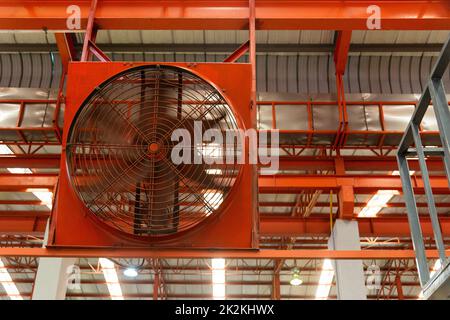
154 147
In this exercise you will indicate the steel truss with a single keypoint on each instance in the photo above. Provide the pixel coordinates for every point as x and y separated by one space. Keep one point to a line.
433 92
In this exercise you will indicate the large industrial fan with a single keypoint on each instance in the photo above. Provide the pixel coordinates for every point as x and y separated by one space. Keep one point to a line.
142 164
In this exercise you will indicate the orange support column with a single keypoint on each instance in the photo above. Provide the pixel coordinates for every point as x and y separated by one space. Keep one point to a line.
156 287
276 284
66 48
346 197
346 194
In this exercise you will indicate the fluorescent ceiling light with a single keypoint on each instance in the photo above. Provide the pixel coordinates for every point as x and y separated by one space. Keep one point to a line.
397 173
218 278
5 149
377 202
8 283
111 278
325 281
20 170
42 194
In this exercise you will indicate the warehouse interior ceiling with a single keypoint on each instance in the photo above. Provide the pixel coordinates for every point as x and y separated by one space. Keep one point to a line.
384 77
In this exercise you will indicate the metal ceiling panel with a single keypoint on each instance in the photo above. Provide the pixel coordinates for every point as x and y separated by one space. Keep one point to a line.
310 74
291 117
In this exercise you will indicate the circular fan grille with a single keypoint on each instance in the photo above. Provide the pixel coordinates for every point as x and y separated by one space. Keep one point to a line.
120 153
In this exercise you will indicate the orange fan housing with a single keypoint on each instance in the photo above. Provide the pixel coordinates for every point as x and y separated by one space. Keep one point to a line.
235 226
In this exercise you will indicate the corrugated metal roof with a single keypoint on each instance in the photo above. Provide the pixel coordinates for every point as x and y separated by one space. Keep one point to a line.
399 37
235 36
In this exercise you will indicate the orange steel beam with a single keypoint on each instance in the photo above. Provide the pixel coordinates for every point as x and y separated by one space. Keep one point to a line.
360 183
267 184
353 163
368 227
228 15
66 48
346 200
24 214
207 282
30 161
90 33
23 225
12 202
327 204
307 163
239 52
22 182
341 50
187 268
22 221
396 226
213 253
198 296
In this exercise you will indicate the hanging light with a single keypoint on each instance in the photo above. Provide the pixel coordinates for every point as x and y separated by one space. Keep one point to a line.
130 272
296 281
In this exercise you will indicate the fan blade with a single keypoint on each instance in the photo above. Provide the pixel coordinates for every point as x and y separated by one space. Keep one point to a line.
160 192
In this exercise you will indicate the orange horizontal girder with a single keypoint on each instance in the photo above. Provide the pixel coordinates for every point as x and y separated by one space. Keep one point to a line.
23 182
368 227
267 183
357 204
353 163
228 15
44 161
210 253
397 226
360 183
325 163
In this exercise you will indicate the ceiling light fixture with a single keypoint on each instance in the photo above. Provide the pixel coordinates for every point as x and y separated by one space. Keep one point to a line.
296 281
130 272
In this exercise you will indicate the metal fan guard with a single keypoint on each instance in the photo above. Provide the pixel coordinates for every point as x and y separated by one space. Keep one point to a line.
118 147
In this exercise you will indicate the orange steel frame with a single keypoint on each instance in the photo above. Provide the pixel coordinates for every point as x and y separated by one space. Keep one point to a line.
70 214
253 15
211 253
23 222
228 15
342 133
